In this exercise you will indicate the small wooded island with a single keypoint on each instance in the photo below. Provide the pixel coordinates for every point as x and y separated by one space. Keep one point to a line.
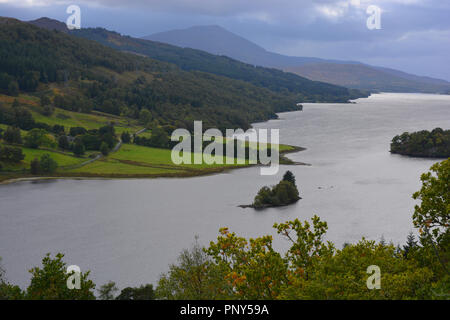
282 194
434 144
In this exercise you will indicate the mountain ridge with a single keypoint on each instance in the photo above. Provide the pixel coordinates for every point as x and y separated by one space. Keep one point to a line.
290 85
192 38
82 75
371 77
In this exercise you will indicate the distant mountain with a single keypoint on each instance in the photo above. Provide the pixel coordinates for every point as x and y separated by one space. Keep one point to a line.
290 85
217 40
81 75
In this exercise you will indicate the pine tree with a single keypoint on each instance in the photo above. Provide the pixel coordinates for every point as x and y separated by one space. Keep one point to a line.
289 176
411 243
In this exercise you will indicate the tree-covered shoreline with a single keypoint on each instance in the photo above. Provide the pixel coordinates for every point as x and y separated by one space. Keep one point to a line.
426 144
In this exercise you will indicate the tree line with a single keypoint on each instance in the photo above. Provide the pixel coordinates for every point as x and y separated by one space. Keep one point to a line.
302 89
91 76
430 144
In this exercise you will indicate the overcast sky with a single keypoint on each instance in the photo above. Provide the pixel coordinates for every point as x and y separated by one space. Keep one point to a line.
414 35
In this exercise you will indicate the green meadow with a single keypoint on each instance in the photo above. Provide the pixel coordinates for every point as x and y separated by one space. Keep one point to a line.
63 160
89 121
132 159
129 161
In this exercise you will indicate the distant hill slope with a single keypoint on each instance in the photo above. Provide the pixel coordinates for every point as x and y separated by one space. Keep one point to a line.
50 24
80 75
362 77
289 84
217 40
292 86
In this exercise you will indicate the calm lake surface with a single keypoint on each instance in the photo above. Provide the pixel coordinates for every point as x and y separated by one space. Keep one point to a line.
129 231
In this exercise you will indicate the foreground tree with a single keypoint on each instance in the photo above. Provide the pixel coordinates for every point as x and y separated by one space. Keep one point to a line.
312 268
50 282
107 291
144 292
433 214
7 290
195 277
431 217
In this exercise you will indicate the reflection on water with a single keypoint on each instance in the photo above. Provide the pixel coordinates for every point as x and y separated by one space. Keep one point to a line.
130 230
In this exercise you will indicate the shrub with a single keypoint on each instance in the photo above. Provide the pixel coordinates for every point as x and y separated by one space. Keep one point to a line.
12 135
11 154
63 142
78 148
126 138
35 166
48 165
104 149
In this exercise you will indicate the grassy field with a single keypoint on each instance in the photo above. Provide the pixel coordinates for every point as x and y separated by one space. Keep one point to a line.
4 127
129 161
134 160
63 160
110 167
89 121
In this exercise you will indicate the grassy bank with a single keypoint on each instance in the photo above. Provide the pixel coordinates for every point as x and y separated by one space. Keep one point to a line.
129 161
